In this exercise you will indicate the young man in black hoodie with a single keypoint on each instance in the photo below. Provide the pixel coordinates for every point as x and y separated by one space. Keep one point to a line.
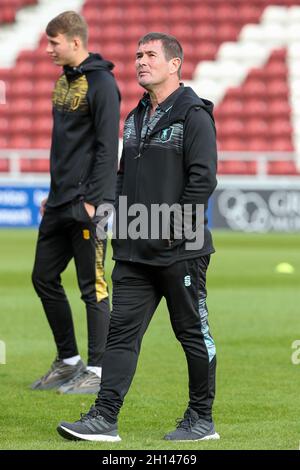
169 157
83 165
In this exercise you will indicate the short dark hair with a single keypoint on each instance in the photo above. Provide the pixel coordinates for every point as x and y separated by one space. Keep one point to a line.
171 46
69 23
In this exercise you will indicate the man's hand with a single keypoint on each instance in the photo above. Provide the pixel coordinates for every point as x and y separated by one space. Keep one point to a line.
91 210
43 206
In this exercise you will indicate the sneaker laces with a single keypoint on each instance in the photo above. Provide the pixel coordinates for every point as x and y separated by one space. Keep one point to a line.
186 422
92 413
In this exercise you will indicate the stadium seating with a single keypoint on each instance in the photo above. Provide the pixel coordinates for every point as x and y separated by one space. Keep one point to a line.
8 9
34 165
254 115
258 112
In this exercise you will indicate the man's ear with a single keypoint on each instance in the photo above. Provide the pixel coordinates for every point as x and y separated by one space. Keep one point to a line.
174 65
76 43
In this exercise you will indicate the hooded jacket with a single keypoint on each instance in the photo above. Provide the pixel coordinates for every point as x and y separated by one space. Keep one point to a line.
176 163
84 150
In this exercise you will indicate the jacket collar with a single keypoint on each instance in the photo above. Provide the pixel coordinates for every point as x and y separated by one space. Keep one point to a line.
182 99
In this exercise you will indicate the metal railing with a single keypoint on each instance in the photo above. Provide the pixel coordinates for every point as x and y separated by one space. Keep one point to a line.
262 159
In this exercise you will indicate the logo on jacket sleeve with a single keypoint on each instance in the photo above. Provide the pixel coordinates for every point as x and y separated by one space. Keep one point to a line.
187 281
166 134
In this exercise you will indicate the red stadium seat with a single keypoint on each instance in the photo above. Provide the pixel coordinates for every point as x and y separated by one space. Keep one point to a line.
277 70
236 167
231 127
21 88
116 51
182 31
24 70
3 142
180 13
43 88
21 106
42 107
28 165
231 144
27 56
257 144
204 32
20 125
4 164
282 144
227 32
279 109
42 126
280 128
188 70
256 108
282 168
41 142
226 13
255 88
203 12
231 107
135 14
256 127
205 51
157 13
19 142
4 125
278 88
250 13
135 32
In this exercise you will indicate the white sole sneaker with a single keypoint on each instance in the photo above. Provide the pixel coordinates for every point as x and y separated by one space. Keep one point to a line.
214 436
72 435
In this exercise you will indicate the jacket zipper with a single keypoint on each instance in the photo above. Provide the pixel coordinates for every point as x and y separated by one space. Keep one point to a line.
69 86
138 134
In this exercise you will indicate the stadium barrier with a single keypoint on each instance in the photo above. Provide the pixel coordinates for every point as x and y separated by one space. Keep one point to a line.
248 203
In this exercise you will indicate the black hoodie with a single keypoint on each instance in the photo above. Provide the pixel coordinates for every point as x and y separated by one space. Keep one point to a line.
84 151
176 163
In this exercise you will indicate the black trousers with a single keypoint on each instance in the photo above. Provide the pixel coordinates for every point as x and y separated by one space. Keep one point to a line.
137 291
68 232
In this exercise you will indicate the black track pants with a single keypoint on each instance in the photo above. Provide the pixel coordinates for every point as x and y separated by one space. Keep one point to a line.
65 233
137 291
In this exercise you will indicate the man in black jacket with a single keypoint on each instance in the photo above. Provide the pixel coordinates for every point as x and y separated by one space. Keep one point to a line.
169 157
83 162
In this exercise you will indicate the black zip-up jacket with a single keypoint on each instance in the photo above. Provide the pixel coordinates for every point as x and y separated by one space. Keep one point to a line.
176 163
84 151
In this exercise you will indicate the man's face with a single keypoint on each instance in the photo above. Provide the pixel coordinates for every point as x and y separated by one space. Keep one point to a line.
61 49
152 67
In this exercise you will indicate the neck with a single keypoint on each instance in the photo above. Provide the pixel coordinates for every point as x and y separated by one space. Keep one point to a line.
79 59
158 95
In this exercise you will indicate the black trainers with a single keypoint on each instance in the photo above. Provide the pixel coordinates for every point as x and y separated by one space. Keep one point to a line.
192 428
91 427
58 374
85 382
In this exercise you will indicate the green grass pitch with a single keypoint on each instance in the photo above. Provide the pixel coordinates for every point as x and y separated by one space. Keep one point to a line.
254 317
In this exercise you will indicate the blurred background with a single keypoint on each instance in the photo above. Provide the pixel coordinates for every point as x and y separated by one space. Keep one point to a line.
243 55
